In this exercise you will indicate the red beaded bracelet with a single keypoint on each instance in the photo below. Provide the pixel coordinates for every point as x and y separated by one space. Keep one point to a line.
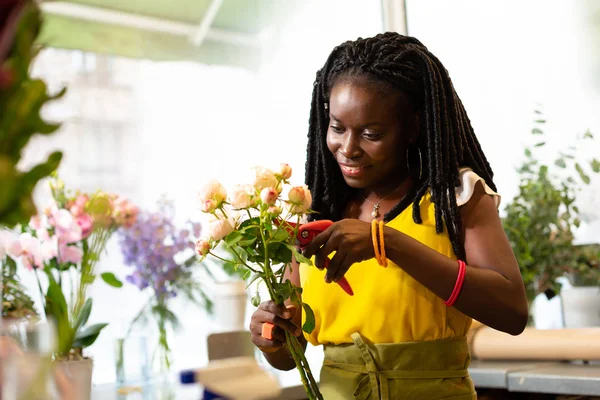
460 279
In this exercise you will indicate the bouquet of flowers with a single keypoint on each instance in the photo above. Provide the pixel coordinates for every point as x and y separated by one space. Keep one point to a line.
65 242
258 225
157 248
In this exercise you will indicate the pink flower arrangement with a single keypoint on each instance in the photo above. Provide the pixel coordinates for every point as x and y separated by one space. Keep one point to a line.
70 234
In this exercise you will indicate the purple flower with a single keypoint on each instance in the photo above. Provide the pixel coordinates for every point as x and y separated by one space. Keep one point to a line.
151 247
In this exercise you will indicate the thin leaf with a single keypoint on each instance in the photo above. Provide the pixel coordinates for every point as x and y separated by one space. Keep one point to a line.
233 238
253 279
84 315
299 257
582 174
537 131
309 321
595 165
87 336
588 135
528 152
560 163
540 144
540 121
111 279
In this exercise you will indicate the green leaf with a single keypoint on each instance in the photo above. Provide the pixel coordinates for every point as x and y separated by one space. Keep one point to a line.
299 257
253 279
540 144
537 131
247 242
285 289
281 235
582 174
87 336
560 163
595 165
576 222
588 135
233 238
309 321
111 279
84 315
527 152
540 121
55 300
576 209
56 309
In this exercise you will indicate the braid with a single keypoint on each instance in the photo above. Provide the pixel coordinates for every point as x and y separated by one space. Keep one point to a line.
447 140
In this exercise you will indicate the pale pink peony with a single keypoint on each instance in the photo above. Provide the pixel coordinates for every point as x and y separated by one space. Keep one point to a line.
86 223
202 247
75 210
81 201
269 196
62 219
124 212
264 178
213 190
218 228
285 171
242 196
67 229
300 199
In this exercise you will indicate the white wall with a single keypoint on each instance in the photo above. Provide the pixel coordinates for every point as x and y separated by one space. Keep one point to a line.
506 56
190 123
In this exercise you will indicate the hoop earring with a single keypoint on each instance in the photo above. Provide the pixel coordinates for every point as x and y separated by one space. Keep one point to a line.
410 171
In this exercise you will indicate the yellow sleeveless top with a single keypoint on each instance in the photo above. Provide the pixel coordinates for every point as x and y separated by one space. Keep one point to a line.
388 305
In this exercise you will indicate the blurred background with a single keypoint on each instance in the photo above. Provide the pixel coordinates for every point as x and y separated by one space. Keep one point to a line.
163 95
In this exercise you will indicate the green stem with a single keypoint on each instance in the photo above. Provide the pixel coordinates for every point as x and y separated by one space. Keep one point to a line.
294 347
228 261
41 290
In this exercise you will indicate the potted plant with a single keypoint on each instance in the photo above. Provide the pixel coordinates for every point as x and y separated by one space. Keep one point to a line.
62 246
21 99
581 301
540 221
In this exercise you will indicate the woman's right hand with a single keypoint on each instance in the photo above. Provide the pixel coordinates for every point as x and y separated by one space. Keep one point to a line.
281 317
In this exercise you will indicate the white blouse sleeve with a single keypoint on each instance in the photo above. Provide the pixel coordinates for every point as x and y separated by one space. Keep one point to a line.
465 191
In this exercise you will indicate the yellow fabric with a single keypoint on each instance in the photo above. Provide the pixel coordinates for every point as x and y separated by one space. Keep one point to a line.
388 305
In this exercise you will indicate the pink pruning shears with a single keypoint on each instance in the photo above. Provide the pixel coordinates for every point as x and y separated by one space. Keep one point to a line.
307 232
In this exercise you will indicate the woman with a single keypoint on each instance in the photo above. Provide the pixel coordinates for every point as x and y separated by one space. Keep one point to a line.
389 140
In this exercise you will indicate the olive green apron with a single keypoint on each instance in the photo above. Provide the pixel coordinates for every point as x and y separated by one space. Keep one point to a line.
415 370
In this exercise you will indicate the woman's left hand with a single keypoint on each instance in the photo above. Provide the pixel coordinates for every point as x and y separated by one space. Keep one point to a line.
351 241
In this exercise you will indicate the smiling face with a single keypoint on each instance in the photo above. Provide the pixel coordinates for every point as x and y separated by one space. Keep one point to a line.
368 134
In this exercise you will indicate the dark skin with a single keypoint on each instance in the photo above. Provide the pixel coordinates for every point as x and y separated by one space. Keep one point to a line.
368 132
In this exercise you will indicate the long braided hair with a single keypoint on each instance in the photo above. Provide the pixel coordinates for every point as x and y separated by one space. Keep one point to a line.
446 138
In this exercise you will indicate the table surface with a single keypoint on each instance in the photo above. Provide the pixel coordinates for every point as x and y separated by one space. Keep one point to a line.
517 376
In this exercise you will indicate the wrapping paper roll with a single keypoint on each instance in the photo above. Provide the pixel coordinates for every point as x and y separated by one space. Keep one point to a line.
535 344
